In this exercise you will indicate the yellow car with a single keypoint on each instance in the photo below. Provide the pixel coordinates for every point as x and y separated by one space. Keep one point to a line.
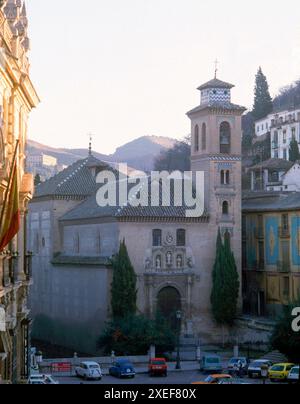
280 372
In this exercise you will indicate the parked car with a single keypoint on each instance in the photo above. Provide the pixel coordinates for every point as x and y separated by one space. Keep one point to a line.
215 379
89 371
41 379
254 369
280 372
158 367
234 362
211 363
122 368
294 374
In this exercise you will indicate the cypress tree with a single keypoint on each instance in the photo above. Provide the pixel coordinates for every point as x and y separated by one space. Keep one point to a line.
294 151
225 292
123 292
263 104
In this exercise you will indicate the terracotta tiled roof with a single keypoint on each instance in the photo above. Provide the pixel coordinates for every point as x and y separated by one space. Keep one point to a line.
228 106
75 181
271 201
273 164
91 210
215 83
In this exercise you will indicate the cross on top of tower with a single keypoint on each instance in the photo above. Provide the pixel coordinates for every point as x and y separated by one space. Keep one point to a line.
90 143
216 67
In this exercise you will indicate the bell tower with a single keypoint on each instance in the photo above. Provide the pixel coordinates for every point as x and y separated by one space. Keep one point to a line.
216 150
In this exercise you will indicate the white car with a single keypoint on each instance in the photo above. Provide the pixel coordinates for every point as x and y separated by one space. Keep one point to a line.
254 369
294 374
41 379
89 371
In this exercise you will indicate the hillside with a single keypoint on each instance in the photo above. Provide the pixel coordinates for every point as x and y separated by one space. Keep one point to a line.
139 154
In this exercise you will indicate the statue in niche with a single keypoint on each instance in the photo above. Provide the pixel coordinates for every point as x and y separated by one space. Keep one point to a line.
179 261
169 259
158 262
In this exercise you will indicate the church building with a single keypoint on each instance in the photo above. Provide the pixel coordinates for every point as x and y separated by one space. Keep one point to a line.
173 255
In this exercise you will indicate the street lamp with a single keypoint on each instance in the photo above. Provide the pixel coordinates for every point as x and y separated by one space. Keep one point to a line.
178 360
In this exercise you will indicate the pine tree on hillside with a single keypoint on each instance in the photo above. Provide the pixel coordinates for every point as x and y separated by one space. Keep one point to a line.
263 104
294 151
123 292
225 292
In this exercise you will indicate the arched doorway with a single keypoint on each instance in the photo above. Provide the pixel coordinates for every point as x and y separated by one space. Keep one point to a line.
168 304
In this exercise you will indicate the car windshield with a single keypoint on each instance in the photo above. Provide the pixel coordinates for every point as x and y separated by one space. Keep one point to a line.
209 379
295 371
277 368
94 366
158 363
258 364
212 360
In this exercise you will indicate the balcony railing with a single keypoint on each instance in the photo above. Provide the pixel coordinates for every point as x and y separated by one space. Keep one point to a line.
284 266
284 232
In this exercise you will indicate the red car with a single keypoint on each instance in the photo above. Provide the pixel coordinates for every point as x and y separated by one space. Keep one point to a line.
158 367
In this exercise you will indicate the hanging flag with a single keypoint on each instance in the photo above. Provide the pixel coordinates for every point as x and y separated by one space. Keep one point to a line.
10 223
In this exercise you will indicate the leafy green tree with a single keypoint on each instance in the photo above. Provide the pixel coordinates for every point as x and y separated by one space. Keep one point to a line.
263 104
284 339
177 158
133 335
225 292
294 151
123 291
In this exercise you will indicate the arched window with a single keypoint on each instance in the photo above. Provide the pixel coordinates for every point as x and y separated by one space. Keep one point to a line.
204 136
225 177
157 238
76 241
225 138
181 238
197 140
225 208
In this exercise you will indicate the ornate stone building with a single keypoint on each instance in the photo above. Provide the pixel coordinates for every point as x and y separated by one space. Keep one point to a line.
173 254
17 98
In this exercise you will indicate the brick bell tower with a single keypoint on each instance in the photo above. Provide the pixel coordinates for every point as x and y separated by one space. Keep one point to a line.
216 150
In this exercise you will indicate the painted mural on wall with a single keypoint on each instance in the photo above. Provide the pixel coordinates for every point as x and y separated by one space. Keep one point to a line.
296 240
272 240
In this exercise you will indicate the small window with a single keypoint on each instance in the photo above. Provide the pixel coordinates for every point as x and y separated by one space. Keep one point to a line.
204 136
197 140
225 177
181 238
157 238
225 208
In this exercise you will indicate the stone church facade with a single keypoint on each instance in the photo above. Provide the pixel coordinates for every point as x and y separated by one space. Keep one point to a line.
173 255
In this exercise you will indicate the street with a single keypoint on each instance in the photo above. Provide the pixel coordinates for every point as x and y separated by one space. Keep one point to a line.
174 378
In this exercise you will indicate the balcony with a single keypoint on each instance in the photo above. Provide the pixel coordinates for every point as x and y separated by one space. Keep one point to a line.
284 266
284 232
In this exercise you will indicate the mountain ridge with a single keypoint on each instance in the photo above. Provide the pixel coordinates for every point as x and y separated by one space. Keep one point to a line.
139 153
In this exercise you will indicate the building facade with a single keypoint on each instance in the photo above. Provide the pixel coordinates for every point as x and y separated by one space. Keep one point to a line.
17 98
282 126
173 254
271 251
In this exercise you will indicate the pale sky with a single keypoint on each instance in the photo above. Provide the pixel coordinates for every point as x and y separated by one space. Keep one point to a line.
122 69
